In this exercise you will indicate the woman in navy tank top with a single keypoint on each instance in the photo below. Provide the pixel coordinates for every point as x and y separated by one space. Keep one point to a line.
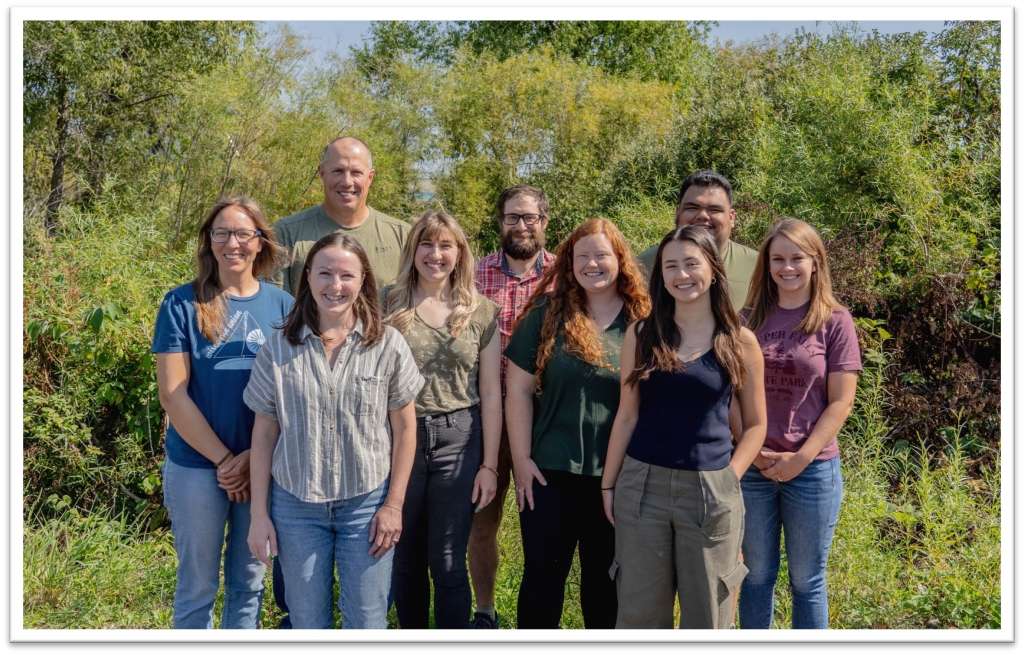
671 479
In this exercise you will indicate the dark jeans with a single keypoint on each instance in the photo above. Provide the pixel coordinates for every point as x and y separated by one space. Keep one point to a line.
569 510
437 518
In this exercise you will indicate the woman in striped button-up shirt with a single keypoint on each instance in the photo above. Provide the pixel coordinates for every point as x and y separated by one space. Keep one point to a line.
335 428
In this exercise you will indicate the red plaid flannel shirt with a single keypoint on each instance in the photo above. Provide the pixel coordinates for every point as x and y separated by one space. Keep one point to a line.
510 292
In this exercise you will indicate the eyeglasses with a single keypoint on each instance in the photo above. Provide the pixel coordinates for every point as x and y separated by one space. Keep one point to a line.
243 236
529 219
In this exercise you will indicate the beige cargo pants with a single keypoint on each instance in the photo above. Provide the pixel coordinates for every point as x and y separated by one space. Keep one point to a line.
677 532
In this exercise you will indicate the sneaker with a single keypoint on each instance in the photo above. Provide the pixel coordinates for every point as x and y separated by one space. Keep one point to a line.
482 621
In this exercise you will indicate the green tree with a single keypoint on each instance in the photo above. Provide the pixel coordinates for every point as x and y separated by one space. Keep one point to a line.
93 90
651 50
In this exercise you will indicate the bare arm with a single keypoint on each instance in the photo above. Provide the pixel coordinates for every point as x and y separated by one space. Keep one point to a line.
386 526
625 421
172 373
489 386
753 415
265 433
842 387
519 389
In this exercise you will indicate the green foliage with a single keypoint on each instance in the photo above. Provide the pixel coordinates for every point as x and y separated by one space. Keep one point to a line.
93 423
95 91
540 119
650 50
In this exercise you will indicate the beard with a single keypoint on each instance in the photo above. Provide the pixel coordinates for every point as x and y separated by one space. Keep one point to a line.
522 248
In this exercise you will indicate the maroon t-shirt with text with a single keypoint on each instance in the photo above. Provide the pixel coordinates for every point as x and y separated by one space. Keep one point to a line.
796 367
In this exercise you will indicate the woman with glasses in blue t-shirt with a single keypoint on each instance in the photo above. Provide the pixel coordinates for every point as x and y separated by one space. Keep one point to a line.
206 338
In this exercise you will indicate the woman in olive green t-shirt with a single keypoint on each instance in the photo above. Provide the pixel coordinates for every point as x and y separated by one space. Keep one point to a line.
449 329
562 392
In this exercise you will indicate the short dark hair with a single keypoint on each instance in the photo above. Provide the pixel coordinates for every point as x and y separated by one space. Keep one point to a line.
521 191
706 177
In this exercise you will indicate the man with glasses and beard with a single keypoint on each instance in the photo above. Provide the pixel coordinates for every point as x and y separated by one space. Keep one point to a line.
508 277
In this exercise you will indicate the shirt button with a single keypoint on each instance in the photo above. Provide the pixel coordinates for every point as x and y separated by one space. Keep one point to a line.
332 426
332 392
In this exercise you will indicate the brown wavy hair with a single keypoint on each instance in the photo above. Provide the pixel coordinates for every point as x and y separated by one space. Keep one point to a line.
210 303
398 306
658 341
366 307
763 297
567 302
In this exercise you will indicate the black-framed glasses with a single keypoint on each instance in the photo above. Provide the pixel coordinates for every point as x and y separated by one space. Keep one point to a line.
513 219
243 236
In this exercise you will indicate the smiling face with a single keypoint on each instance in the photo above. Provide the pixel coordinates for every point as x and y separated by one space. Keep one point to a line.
335 278
686 271
594 263
707 207
436 257
234 258
522 241
792 270
346 175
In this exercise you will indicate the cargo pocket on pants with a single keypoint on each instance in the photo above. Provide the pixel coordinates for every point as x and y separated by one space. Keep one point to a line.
629 491
727 586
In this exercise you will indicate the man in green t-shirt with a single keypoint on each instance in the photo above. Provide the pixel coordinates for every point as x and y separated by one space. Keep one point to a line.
705 200
346 171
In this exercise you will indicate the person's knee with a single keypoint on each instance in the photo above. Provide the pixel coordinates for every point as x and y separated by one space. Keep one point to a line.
760 576
484 534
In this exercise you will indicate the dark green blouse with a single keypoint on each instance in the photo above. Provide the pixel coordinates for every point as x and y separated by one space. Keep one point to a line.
573 415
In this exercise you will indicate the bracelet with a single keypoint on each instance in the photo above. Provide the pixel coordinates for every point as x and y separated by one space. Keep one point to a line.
484 466
224 459
397 509
607 488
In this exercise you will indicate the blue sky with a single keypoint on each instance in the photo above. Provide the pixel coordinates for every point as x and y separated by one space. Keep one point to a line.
325 36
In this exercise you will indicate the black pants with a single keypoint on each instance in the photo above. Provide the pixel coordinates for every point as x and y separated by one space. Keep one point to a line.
437 518
567 511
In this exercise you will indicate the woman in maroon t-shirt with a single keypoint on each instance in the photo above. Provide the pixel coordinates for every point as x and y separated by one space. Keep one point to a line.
811 359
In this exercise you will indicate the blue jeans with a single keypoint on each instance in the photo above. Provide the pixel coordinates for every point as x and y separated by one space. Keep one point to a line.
199 511
806 509
313 539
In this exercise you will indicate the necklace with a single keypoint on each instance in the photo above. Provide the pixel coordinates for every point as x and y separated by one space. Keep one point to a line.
688 344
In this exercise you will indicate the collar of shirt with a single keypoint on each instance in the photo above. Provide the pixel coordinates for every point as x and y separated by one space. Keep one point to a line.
308 331
538 268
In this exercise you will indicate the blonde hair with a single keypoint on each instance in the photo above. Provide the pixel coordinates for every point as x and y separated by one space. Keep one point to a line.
763 297
399 308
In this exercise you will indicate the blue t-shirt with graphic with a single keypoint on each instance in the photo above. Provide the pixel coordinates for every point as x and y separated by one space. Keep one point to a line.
220 370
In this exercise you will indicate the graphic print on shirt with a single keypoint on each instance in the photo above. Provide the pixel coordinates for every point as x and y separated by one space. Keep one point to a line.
782 372
240 341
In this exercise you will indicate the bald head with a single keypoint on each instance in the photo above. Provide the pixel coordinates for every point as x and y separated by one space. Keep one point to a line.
348 145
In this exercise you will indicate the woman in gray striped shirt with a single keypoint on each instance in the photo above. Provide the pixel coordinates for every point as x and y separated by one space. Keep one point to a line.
333 442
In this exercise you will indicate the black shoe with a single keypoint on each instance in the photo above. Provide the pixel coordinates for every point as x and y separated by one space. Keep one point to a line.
482 621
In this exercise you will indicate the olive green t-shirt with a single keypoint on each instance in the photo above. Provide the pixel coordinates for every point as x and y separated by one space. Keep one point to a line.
739 262
450 365
573 415
380 235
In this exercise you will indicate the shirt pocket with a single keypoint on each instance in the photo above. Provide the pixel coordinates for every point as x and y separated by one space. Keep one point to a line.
367 394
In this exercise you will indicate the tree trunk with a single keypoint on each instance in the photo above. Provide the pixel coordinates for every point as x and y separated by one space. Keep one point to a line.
56 195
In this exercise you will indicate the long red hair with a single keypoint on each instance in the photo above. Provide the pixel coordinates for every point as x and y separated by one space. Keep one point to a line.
567 303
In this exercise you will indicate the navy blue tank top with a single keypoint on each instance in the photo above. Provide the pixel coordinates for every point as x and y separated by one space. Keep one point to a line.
684 418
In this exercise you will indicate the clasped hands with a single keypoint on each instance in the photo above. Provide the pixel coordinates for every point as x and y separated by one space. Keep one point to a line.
233 477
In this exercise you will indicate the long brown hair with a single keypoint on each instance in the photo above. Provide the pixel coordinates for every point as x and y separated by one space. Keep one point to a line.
210 303
305 311
658 341
567 304
763 297
399 310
